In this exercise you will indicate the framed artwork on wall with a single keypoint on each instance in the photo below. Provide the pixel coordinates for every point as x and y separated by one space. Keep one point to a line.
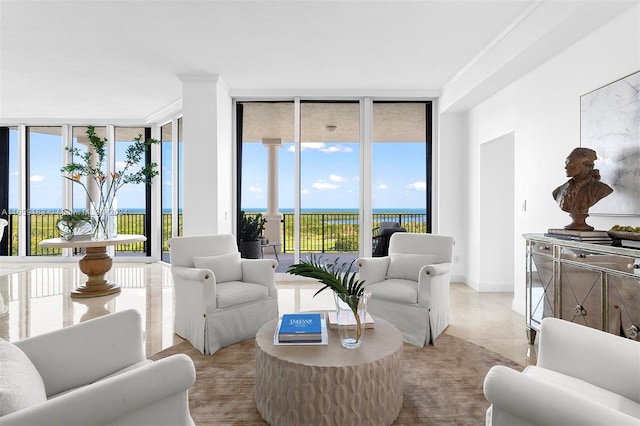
610 125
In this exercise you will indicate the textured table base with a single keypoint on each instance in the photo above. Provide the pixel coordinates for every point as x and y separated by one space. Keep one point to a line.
367 390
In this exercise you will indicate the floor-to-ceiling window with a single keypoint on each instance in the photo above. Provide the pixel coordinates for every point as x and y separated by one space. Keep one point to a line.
338 159
133 199
179 181
9 190
36 192
266 136
329 178
166 179
401 166
43 183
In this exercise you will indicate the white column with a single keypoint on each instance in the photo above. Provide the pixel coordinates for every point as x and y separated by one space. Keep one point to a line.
273 216
200 154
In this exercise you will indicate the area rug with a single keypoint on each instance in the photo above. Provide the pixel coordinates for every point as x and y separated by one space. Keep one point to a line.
442 384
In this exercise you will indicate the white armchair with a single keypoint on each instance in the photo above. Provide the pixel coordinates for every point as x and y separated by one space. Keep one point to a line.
410 287
220 299
583 376
93 373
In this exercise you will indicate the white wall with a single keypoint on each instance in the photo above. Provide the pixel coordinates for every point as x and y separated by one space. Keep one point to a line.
542 110
225 159
496 214
451 205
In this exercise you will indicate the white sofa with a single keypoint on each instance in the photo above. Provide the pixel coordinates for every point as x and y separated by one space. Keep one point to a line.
93 373
583 376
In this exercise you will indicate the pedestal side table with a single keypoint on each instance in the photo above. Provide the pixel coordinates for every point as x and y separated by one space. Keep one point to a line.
95 263
329 384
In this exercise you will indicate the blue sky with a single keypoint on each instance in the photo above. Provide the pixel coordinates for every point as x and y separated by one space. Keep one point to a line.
330 175
46 159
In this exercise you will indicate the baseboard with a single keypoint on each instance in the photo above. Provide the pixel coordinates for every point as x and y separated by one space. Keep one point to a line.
496 287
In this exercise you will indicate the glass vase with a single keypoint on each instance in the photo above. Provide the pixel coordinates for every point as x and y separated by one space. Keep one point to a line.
106 217
351 326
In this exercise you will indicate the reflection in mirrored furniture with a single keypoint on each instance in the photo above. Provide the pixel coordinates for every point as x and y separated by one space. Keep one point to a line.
590 284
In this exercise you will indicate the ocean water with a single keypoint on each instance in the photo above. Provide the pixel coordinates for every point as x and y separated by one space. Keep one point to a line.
338 210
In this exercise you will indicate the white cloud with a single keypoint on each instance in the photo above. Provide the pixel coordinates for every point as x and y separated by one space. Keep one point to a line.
312 145
324 186
36 178
335 148
417 186
304 191
336 178
381 186
255 188
307 145
120 165
321 146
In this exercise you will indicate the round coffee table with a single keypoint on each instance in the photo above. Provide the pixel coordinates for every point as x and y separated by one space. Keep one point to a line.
329 384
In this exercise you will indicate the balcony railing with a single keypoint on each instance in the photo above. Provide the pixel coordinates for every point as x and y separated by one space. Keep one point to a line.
43 226
319 232
340 232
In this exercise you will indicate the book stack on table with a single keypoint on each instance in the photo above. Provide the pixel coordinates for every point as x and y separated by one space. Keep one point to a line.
333 320
593 237
305 328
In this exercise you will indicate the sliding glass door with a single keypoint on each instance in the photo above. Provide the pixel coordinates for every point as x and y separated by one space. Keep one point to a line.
327 174
266 178
330 179
400 170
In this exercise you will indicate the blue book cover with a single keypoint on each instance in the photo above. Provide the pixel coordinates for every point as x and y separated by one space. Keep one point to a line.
301 324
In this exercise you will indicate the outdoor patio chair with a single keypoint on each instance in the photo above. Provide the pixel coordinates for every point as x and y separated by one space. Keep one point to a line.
381 236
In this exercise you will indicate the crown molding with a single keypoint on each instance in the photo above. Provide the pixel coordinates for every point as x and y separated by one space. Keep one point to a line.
56 122
170 111
493 45
331 94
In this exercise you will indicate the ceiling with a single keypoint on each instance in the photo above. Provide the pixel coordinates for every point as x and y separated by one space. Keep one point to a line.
120 60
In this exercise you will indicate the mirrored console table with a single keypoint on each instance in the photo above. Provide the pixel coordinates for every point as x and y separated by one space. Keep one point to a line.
591 284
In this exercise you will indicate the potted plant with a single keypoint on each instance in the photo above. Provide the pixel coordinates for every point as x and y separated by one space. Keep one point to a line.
251 227
78 225
350 295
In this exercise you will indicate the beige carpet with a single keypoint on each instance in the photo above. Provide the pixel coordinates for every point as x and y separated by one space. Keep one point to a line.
442 384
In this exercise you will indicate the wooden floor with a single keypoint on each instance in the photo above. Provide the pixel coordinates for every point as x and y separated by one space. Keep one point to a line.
34 299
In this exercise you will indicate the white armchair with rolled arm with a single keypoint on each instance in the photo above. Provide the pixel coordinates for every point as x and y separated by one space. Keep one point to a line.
410 286
93 373
583 376
220 298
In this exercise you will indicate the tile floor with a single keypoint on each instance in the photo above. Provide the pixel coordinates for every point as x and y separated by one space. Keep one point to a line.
34 299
